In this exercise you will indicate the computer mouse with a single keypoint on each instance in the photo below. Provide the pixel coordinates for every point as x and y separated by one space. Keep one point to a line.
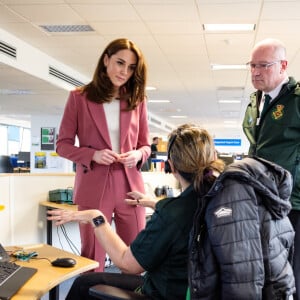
64 262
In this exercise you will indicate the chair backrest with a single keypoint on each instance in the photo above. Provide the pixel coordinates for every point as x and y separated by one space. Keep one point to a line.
5 164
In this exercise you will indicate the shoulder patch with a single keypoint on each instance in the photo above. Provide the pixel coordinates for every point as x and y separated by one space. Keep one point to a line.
223 212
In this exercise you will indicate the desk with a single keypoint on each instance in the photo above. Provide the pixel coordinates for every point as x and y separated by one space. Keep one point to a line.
48 278
52 205
21 170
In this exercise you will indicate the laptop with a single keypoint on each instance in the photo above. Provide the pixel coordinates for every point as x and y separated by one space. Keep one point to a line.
12 276
4 257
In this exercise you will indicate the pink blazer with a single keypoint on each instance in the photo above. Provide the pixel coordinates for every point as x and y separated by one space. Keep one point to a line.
86 120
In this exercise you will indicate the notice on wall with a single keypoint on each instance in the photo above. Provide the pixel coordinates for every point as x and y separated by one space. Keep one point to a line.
54 161
48 138
40 160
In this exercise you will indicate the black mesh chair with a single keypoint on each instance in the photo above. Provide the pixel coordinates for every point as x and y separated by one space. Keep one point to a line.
108 292
5 164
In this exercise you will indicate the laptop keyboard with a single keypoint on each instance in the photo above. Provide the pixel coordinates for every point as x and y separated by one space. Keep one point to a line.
7 269
12 276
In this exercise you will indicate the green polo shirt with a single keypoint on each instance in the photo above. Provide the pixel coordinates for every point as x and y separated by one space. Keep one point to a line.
162 247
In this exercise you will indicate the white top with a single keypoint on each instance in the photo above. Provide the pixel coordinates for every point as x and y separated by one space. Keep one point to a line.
112 113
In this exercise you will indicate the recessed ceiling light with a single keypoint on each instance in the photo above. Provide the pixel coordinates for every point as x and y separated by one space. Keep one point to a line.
229 101
228 27
218 67
159 101
178 117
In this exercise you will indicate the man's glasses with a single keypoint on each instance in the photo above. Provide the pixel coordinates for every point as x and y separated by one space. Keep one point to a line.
262 66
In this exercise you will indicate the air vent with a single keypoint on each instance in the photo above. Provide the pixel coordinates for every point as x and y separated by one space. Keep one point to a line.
169 127
67 28
60 75
155 121
8 50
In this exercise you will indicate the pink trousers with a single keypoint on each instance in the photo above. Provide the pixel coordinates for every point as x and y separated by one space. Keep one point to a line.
129 220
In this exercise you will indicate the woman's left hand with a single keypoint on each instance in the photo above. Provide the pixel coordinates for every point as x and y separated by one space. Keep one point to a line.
131 158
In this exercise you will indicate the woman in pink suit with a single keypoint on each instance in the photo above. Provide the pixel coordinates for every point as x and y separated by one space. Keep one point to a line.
109 118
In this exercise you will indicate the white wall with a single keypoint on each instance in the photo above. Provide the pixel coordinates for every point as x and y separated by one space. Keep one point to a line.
23 221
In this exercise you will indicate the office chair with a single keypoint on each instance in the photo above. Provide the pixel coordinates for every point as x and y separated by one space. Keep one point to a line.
5 164
108 292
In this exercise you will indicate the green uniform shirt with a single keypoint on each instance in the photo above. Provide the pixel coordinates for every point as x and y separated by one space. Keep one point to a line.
162 247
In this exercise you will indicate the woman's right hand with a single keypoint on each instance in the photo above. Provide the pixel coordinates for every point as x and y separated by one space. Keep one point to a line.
140 199
105 157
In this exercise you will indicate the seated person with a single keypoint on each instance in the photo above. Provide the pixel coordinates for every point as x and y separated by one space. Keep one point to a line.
160 251
242 239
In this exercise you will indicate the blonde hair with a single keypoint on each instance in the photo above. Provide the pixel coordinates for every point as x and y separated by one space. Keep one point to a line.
192 152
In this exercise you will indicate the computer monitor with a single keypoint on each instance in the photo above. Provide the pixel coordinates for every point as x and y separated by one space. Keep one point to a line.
24 159
5 164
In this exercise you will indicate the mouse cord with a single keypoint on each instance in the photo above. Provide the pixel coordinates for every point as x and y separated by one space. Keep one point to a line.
39 258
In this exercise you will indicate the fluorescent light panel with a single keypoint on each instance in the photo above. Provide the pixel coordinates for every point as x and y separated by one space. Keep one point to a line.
230 88
150 88
159 101
16 92
229 27
178 117
230 125
230 122
218 67
229 101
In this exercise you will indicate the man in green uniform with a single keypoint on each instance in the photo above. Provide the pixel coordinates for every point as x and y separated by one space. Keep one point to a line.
272 122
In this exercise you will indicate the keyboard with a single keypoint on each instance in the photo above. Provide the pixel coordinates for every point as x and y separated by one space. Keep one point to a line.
12 278
6 270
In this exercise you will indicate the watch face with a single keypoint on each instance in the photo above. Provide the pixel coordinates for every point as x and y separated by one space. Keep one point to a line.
98 221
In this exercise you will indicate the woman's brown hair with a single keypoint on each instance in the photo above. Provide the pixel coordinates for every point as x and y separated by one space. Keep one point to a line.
100 89
193 155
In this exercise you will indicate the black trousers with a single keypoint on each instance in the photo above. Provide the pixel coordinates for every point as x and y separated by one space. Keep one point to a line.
80 287
294 217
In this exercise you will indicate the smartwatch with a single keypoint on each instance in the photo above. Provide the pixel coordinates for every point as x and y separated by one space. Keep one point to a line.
98 221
